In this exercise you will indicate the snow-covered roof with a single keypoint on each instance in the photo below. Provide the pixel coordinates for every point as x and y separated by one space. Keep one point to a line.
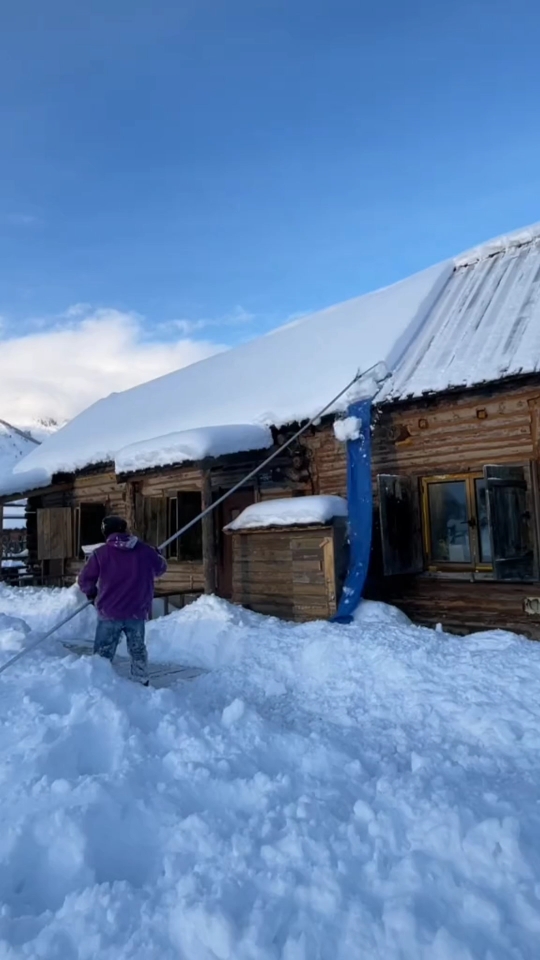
485 324
289 512
285 376
468 321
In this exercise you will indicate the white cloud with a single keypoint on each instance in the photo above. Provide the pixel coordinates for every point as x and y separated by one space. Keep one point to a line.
57 373
236 318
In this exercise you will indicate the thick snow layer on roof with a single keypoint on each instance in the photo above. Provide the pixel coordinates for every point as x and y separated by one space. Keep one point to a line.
485 325
290 511
285 376
192 445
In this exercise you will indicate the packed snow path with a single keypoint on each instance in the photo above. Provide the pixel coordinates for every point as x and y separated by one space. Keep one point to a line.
323 793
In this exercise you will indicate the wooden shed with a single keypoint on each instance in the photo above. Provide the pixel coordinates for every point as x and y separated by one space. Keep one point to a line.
294 572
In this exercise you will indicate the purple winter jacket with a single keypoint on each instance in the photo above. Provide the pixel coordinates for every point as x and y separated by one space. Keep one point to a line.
121 573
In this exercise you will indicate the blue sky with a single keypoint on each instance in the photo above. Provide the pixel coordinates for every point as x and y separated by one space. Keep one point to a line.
244 161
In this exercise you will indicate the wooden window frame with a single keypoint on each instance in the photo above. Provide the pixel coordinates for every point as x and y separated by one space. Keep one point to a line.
476 565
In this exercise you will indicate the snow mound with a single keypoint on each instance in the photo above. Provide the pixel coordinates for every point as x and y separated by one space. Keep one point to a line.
290 511
192 445
372 612
327 792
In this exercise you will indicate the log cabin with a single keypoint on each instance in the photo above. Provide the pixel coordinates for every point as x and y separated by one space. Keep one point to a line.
451 455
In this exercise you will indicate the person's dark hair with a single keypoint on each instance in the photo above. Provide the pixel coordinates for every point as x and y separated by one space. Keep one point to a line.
113 525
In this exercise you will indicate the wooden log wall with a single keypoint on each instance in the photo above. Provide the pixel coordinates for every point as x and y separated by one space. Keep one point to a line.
456 434
328 458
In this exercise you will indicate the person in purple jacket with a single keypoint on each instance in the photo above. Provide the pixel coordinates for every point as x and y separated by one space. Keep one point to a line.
120 576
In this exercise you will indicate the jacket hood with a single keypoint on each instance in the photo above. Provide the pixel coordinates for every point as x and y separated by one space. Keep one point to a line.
123 541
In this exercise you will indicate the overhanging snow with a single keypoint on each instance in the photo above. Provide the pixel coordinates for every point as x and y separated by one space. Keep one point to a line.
192 445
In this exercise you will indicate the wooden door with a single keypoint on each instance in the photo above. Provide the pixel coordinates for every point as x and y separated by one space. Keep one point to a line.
229 511
54 533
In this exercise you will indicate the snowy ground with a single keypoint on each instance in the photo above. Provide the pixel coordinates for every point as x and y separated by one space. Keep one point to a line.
323 793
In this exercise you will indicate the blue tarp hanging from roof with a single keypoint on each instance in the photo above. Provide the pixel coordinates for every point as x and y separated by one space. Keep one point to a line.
360 497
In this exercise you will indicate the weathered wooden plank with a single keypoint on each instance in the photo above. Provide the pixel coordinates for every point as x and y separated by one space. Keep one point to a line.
459 604
263 571
248 588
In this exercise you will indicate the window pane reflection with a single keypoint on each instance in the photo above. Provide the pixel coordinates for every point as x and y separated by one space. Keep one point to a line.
450 541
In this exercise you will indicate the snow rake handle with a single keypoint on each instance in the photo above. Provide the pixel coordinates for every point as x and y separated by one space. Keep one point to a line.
36 643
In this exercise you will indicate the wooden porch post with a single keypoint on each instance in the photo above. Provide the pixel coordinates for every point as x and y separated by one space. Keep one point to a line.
131 512
208 540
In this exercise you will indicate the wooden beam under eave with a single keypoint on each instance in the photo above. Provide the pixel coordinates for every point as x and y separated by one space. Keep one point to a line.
130 499
208 538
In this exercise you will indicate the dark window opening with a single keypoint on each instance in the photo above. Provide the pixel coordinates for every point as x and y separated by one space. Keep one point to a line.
172 527
90 517
400 526
183 508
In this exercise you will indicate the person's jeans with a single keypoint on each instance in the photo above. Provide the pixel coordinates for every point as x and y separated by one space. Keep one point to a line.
108 635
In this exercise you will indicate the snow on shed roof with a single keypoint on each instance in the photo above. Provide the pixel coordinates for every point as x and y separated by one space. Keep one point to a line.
484 326
285 376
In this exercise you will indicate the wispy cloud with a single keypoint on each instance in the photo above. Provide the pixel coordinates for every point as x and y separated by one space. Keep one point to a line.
59 371
238 317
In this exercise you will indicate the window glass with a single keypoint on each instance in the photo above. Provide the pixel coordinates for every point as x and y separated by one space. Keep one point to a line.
190 543
450 540
484 539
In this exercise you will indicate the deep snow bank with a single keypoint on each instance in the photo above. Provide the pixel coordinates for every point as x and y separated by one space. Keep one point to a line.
325 793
